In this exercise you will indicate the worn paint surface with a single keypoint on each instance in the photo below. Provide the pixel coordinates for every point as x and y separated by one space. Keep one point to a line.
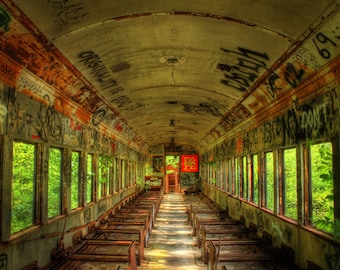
205 68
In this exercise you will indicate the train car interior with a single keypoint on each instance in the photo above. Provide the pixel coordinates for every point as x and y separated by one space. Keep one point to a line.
170 134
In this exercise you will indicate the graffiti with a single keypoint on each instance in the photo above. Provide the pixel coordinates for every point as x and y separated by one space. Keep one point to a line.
274 131
4 19
100 72
292 75
247 69
43 124
322 41
50 122
125 103
8 72
32 86
3 261
313 119
306 58
225 150
122 101
103 115
273 87
202 108
68 13
99 116
235 116
73 131
250 141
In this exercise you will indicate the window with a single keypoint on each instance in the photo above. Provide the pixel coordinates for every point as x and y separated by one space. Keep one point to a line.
54 183
229 176
104 175
115 175
89 178
244 178
224 175
289 183
269 181
212 172
322 199
218 174
75 180
122 173
255 179
23 186
236 177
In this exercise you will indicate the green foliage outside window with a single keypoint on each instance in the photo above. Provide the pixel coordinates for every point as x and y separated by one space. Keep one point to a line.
290 184
237 177
23 186
54 182
269 181
75 180
89 178
255 180
322 213
245 179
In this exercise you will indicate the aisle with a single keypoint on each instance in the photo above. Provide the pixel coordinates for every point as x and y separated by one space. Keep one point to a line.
171 244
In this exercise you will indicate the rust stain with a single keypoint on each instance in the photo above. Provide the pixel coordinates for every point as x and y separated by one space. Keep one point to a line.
9 72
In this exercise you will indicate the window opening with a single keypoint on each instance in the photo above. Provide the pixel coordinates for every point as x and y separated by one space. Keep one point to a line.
255 179
322 199
244 178
54 182
75 180
23 186
269 181
104 175
89 178
290 183
236 177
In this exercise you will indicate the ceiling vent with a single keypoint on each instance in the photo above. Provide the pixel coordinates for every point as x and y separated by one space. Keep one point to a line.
120 67
224 67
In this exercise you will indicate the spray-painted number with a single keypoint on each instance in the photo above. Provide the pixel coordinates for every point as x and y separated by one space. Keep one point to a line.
319 39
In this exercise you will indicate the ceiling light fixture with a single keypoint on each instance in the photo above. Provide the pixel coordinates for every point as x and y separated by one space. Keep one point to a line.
172 123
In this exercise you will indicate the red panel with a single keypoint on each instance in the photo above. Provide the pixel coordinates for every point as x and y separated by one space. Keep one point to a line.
189 163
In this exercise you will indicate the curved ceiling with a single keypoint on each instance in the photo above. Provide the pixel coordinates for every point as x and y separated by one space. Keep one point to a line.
180 71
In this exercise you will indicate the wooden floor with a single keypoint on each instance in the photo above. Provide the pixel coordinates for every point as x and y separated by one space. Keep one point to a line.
172 245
